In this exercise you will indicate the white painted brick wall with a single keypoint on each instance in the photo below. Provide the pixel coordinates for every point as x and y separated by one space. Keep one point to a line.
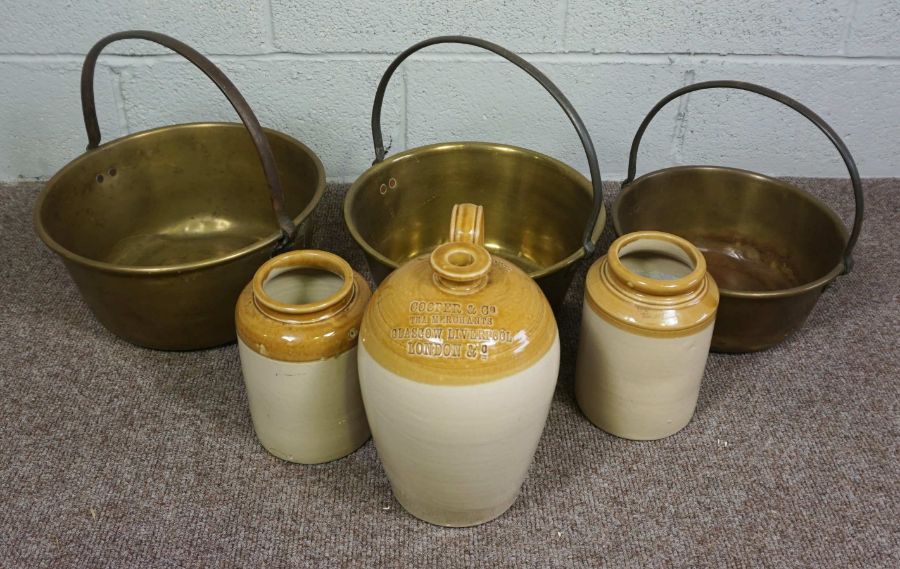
310 68
324 103
806 27
390 26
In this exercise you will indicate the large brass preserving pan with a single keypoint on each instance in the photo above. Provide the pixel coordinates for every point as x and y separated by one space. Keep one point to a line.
162 229
543 215
771 247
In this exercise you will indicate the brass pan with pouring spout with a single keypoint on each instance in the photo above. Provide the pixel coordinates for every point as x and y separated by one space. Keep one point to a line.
771 247
160 230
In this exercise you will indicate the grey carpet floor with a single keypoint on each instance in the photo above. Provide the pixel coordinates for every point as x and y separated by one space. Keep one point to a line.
117 456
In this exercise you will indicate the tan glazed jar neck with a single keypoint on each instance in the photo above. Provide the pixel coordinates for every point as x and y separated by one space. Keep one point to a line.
653 284
310 312
648 289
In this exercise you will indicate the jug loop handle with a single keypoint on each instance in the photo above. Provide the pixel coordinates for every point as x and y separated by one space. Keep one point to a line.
785 100
581 129
263 149
462 264
467 224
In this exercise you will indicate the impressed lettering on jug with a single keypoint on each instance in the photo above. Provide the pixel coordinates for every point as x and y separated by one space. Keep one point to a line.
455 330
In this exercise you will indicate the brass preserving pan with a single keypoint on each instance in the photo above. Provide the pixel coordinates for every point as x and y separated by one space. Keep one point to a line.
542 214
771 247
162 229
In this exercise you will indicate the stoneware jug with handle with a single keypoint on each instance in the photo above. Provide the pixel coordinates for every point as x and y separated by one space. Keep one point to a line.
458 361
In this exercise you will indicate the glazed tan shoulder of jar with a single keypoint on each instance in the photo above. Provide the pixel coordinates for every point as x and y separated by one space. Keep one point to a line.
647 322
458 361
297 324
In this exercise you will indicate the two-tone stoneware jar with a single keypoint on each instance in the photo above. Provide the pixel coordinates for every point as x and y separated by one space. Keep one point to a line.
297 324
458 361
647 322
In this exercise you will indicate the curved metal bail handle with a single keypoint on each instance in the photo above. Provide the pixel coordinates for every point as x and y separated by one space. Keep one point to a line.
785 100
263 149
554 91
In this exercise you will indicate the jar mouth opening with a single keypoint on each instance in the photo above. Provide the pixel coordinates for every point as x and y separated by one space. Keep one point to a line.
303 282
460 262
657 263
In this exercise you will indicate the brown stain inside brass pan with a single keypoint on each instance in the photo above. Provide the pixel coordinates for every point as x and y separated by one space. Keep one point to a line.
744 266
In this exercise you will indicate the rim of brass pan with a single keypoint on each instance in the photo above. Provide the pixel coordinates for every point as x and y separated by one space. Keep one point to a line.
795 191
268 241
415 153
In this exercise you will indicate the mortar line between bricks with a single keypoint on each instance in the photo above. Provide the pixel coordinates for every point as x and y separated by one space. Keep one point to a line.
119 97
848 29
676 152
404 125
564 23
543 57
269 38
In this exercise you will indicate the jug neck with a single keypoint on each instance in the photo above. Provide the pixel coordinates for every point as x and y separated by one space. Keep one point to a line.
461 266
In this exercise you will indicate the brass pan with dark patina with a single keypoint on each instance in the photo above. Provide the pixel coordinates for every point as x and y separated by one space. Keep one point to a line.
160 230
771 247
543 215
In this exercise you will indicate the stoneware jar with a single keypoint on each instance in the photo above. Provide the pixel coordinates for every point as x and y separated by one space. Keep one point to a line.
458 361
297 325
647 323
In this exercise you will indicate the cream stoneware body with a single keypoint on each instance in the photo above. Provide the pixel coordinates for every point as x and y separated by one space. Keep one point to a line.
458 361
647 323
298 323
